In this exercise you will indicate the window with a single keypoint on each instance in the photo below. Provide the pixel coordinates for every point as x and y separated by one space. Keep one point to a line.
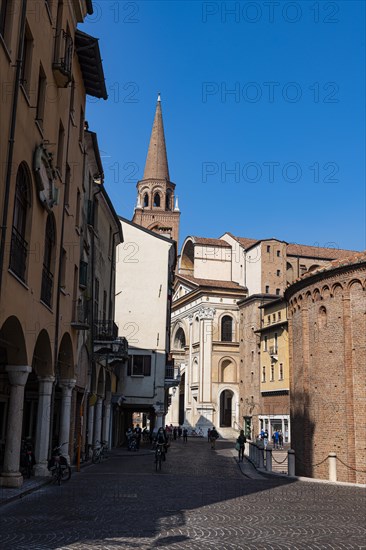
96 298
276 342
263 374
83 274
60 148
48 261
280 376
41 96
278 291
279 316
19 246
267 289
268 248
104 305
5 14
265 343
274 317
26 70
146 200
268 319
278 272
180 339
139 365
272 373
278 253
226 329
157 200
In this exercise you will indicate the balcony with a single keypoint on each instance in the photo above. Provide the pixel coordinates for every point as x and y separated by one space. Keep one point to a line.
47 284
273 352
80 318
62 62
172 374
18 254
105 331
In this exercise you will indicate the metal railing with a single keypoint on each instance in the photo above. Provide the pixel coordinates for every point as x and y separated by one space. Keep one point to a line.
47 284
63 52
105 330
18 254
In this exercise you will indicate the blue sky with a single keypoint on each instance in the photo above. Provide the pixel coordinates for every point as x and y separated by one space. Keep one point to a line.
264 113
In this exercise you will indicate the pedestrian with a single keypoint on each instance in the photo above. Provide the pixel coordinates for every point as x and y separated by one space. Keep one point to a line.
265 438
208 435
276 439
213 436
179 432
138 433
280 439
240 442
175 433
185 435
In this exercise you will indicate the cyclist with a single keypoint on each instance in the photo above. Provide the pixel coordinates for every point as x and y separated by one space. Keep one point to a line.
161 439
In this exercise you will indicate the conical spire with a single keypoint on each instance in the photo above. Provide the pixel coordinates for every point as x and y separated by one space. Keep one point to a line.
156 166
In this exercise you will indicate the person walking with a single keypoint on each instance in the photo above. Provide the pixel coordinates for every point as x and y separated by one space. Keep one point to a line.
175 433
185 435
213 436
208 435
241 440
138 434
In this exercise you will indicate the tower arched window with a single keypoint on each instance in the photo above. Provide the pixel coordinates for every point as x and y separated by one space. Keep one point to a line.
180 339
157 200
19 245
146 200
48 261
168 200
226 329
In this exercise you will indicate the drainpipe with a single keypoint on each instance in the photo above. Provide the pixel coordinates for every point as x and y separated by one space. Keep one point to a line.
111 277
9 162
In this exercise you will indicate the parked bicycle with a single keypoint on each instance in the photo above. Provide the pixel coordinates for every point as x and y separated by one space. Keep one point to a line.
159 455
100 452
58 465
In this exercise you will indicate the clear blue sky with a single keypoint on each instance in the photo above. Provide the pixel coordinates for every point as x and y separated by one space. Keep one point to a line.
282 155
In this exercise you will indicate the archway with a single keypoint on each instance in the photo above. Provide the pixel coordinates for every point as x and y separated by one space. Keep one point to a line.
226 408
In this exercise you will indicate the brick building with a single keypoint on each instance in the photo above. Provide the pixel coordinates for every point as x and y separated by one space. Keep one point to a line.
327 332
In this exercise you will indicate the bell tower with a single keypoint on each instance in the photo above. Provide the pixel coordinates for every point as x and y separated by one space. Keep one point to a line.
157 207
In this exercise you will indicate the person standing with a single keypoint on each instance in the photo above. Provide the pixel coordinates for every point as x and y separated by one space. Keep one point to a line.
185 435
179 432
213 436
175 433
241 440
208 435
138 433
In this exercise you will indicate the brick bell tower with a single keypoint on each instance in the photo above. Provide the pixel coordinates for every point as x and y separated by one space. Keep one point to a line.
157 208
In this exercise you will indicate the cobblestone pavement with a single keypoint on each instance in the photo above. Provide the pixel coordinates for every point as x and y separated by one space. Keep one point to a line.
200 500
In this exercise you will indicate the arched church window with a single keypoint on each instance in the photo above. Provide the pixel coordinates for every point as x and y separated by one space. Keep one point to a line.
180 339
157 199
226 329
146 199
168 201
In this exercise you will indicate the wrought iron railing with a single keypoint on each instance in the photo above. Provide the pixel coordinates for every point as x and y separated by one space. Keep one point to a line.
105 330
63 53
18 254
47 284
80 312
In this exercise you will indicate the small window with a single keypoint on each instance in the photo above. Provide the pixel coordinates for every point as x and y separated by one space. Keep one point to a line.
19 246
48 261
267 289
265 343
279 316
41 96
272 373
280 372
278 272
157 200
146 200
63 269
278 253
268 248
263 374
226 329
252 356
278 291
83 274
274 317
139 365
26 69
276 342
60 148
268 320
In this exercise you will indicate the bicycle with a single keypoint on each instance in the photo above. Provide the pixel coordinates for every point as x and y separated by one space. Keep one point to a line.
58 465
100 452
159 455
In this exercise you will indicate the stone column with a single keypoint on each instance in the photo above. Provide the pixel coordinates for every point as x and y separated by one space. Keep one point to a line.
11 477
91 410
175 406
43 425
206 316
107 417
67 387
98 421
159 420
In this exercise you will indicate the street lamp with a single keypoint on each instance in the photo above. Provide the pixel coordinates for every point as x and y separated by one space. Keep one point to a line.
174 390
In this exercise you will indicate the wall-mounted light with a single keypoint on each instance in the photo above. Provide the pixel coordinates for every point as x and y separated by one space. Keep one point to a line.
174 389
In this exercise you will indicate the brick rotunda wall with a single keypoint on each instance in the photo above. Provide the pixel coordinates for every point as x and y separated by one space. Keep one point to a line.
327 334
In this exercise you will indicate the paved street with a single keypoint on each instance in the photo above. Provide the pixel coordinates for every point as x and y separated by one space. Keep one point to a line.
200 500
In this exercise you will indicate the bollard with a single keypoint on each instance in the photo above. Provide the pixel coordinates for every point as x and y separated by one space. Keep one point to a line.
261 455
332 466
291 462
269 458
